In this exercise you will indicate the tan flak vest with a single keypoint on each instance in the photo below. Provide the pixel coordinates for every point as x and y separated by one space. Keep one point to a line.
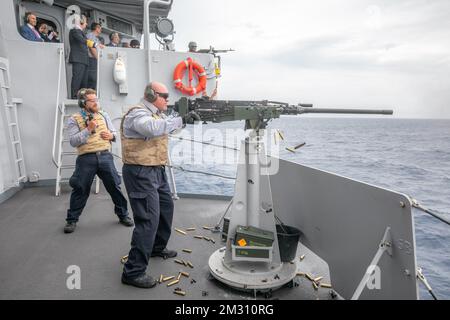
144 152
94 142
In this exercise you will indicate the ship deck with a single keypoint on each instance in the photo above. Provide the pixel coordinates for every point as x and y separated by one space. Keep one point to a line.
35 253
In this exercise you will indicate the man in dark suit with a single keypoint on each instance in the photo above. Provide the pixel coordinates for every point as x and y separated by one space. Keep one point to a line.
79 57
28 31
114 39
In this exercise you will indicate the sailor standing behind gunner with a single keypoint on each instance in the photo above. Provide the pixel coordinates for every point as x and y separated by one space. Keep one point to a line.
144 134
91 131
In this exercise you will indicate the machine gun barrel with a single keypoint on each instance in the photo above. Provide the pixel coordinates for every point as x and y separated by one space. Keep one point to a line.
343 111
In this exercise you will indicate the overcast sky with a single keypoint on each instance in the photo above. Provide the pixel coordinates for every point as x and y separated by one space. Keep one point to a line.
332 53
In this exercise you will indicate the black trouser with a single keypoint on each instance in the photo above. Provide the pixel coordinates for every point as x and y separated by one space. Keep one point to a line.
92 74
87 166
152 204
79 78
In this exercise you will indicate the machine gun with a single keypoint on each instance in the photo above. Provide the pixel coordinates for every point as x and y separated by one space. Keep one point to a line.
242 265
255 113
214 51
218 58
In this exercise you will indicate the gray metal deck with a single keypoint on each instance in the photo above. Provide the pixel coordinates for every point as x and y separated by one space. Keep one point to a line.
35 252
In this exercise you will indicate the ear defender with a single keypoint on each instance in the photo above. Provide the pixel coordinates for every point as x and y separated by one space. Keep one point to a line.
150 94
82 98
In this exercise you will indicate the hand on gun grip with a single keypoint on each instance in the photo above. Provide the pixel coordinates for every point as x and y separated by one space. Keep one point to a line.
191 117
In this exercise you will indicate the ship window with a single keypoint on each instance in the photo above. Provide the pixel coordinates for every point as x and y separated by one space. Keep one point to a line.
118 25
47 29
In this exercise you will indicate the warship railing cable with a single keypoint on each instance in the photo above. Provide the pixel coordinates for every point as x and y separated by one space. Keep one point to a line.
205 143
202 172
422 278
417 205
190 171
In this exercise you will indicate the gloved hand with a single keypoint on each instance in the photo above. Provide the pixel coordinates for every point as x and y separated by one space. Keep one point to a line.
191 117
172 115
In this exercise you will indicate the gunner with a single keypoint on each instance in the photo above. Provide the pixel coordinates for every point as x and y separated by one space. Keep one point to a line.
144 133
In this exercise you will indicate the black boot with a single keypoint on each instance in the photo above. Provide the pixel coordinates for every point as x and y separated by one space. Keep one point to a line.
144 281
126 221
166 253
70 227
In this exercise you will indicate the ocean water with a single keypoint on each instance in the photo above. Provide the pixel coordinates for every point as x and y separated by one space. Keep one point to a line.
405 155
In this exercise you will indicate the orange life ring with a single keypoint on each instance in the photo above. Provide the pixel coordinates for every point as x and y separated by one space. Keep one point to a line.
178 74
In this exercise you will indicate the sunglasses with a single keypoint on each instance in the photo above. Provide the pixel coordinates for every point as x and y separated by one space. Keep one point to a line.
163 95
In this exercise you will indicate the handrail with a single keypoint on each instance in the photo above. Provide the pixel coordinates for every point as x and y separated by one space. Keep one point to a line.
57 107
147 39
99 54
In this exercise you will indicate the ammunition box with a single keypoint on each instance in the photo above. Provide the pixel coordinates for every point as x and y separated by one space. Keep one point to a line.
252 253
253 237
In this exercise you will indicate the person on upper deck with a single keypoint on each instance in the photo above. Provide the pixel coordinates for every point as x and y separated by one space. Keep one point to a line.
96 30
192 46
28 31
114 40
46 35
79 56
135 44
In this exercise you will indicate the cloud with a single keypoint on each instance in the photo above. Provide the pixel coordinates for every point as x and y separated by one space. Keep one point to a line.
331 52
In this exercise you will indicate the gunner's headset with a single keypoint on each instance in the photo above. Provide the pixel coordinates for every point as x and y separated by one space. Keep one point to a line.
82 104
150 94
82 98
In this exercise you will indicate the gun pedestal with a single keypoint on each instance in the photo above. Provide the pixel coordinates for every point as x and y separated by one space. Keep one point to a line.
256 267
250 267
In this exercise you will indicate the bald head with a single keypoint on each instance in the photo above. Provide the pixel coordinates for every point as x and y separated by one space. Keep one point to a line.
31 18
161 93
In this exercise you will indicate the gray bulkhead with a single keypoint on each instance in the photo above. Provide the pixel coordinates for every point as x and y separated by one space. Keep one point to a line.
34 71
